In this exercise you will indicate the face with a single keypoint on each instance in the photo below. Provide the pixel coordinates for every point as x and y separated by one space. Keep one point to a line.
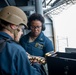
36 27
19 34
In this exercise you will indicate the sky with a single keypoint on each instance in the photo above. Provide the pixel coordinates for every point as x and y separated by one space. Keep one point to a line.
65 26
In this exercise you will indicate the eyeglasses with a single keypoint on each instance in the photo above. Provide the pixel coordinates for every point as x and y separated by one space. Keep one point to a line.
36 27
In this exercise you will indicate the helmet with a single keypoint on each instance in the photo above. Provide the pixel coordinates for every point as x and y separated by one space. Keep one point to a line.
13 15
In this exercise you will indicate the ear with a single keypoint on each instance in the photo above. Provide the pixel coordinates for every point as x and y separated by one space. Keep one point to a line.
13 26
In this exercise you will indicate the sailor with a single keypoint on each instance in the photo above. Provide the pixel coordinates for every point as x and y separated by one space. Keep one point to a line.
35 42
13 58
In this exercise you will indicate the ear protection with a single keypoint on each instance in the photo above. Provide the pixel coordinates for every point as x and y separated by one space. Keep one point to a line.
29 24
43 27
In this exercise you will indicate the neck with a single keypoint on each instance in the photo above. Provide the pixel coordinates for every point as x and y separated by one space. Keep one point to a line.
9 33
32 38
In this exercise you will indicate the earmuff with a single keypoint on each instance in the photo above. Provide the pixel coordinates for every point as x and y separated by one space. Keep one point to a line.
43 27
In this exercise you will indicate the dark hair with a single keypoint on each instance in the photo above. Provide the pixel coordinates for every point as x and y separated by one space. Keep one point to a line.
4 23
36 16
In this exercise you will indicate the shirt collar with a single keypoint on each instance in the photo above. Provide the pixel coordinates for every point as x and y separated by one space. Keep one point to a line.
5 35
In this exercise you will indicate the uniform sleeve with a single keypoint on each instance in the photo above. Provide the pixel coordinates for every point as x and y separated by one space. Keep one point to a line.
23 65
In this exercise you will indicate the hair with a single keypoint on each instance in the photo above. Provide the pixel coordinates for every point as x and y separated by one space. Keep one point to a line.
36 16
4 23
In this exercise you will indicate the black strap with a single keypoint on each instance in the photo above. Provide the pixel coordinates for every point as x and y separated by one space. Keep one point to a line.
3 43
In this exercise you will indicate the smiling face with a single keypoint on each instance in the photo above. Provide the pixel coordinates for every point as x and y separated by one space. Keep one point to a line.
36 28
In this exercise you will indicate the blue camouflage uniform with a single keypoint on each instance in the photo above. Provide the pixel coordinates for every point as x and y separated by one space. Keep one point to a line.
39 47
14 61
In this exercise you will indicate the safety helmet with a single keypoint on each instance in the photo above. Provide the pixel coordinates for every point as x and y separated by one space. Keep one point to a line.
14 15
